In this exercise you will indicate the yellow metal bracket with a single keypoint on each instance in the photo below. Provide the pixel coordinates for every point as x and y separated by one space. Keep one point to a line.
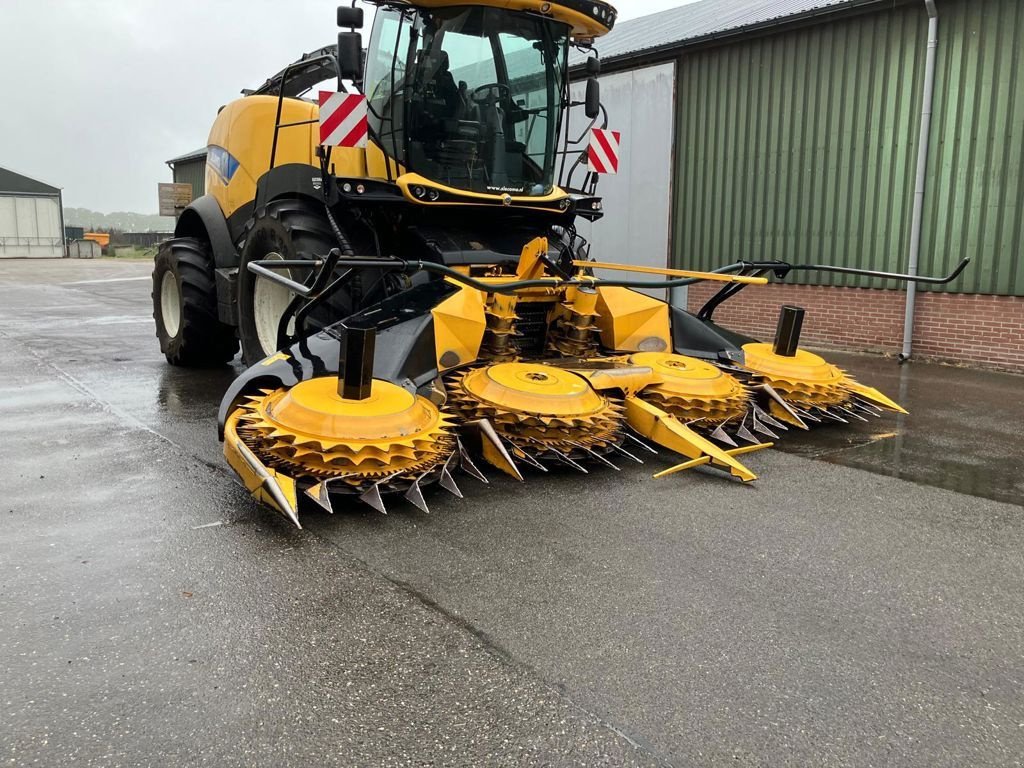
713 276
668 432
707 459
530 265
630 379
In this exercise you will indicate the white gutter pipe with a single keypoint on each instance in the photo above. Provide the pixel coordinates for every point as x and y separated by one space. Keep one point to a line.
922 167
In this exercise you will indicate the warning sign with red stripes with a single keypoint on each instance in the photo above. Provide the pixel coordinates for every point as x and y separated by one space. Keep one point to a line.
603 155
342 119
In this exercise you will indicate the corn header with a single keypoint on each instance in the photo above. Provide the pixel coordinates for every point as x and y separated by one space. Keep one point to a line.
399 261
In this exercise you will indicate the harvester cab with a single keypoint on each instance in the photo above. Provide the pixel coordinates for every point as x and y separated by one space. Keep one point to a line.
472 97
399 262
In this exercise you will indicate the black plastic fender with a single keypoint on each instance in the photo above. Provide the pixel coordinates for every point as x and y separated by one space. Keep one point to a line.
204 220
406 354
703 339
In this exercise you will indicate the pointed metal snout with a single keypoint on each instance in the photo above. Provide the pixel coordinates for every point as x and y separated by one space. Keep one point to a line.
273 488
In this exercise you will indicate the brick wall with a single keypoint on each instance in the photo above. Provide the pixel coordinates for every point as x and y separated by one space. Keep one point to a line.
987 331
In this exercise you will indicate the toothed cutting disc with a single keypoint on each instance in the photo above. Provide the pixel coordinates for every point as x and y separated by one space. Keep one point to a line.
538 408
693 390
311 431
805 379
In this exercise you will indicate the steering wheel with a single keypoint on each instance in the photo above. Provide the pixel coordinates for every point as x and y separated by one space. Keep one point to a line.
491 92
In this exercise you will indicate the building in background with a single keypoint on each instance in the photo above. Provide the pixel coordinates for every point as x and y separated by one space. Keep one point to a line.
794 136
191 169
31 218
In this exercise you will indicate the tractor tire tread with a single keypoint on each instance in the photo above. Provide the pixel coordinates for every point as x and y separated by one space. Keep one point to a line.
202 341
308 234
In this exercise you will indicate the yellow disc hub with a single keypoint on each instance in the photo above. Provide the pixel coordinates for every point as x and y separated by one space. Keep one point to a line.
311 430
314 407
537 407
804 379
531 388
691 389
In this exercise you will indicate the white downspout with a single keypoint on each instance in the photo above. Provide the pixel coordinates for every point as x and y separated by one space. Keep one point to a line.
922 167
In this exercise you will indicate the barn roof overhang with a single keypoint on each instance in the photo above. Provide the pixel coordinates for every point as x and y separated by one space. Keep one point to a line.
665 35
12 183
198 154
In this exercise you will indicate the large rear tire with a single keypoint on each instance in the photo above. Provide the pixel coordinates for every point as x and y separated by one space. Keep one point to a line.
185 306
285 229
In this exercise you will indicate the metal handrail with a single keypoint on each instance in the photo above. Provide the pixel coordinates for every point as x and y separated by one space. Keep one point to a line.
280 100
782 268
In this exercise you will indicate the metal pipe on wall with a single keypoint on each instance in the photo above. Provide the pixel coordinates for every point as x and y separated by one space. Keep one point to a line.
922 168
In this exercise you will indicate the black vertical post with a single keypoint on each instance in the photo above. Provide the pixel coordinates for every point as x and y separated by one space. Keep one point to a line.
355 368
277 119
787 333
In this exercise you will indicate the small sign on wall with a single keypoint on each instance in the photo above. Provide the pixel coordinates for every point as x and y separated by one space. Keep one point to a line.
174 198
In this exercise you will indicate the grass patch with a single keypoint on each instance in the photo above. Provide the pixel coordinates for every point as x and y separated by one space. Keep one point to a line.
130 253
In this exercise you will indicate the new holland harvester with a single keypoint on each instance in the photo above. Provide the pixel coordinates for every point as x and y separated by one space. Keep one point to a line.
412 294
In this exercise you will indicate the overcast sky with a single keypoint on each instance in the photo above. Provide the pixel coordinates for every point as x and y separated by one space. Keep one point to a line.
98 94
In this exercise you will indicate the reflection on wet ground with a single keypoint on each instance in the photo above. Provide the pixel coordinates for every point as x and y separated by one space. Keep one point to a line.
963 432
188 394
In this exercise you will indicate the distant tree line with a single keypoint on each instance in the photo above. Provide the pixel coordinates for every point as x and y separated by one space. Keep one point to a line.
117 222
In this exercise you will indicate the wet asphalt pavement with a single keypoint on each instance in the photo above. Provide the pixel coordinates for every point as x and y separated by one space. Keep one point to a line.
861 604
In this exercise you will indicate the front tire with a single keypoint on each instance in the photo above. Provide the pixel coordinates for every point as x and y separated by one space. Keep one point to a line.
185 306
285 229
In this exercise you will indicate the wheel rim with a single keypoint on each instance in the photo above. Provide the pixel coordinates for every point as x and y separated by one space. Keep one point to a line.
269 302
170 304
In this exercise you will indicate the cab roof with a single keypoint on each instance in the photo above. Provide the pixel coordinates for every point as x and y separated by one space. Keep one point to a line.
588 19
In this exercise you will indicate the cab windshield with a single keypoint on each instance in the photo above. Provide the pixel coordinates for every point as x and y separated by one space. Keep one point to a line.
470 97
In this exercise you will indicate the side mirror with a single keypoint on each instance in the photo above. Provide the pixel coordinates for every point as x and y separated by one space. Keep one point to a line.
593 66
350 56
593 100
350 16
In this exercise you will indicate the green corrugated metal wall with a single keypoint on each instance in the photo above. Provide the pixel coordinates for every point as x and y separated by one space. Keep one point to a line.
192 172
802 146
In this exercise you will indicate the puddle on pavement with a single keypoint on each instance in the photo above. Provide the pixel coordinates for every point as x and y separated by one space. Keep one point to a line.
963 432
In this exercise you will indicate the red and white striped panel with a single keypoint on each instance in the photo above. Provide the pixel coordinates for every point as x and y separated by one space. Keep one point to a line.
603 155
342 119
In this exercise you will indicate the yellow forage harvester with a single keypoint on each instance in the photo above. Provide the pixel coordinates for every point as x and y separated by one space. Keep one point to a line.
402 271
